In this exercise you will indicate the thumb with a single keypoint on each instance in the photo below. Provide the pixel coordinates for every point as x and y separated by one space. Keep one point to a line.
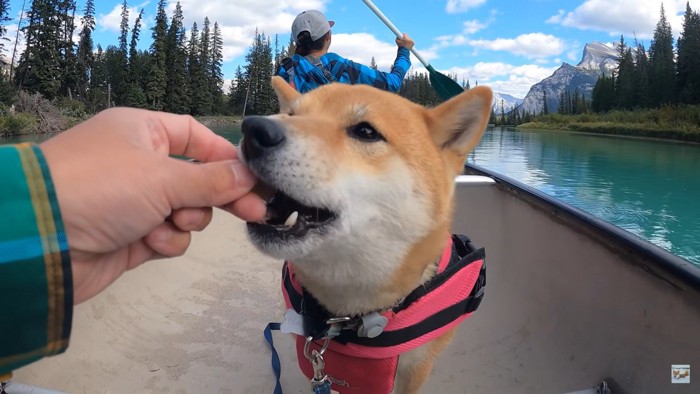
197 185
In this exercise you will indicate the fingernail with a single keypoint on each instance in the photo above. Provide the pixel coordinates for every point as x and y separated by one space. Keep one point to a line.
163 235
196 218
244 178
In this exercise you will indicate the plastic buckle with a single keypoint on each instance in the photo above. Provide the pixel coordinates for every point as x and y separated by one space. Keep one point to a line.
372 325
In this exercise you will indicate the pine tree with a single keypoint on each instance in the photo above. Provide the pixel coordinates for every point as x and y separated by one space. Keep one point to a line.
177 98
261 99
603 96
97 94
134 95
688 64
278 56
40 66
69 66
124 29
6 91
545 105
157 77
373 64
4 18
237 92
115 73
503 113
200 65
120 84
199 91
624 86
642 92
663 79
86 57
216 77
135 33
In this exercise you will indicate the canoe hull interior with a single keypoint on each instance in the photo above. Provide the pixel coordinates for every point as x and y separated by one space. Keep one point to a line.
567 304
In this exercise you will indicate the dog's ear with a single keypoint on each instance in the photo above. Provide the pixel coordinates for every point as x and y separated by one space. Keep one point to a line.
458 124
285 93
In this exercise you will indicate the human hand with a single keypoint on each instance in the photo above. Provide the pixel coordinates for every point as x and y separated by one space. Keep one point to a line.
405 42
124 201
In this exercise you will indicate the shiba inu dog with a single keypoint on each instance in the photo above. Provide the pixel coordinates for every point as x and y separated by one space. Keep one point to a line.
360 185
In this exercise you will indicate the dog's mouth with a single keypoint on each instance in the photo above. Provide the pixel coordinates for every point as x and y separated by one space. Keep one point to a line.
287 217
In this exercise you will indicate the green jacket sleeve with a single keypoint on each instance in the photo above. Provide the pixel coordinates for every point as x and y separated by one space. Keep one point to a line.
36 286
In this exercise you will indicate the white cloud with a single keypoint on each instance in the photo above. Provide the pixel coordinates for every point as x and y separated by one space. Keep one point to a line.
503 77
457 6
113 19
361 47
10 45
531 45
628 17
469 28
473 26
238 20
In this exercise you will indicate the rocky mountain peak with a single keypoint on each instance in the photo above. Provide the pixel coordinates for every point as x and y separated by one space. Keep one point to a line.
598 59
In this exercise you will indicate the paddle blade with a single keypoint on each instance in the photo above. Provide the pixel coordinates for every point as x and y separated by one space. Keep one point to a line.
444 86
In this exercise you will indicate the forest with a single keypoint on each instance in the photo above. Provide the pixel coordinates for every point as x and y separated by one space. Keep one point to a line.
54 81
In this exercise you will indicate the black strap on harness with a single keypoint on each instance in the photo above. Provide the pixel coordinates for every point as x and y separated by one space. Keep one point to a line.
290 64
464 253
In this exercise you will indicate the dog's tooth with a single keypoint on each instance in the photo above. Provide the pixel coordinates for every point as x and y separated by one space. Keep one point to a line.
292 219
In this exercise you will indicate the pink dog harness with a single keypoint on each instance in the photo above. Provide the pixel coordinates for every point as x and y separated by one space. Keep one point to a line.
362 359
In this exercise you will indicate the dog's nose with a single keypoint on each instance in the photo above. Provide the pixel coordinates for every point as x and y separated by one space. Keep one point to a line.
261 135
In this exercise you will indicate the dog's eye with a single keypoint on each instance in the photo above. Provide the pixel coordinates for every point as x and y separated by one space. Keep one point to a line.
365 133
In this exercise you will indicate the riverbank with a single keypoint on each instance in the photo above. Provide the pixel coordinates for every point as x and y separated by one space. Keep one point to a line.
25 125
669 123
218 121
609 128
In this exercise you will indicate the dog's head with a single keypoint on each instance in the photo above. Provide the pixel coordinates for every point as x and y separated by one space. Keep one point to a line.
355 177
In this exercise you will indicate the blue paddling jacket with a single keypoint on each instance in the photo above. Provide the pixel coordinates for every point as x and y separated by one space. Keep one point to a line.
307 73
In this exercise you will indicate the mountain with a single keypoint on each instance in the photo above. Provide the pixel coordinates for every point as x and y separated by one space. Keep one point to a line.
509 102
598 56
598 59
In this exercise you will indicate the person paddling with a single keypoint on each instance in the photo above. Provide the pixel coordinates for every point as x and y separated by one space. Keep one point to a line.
312 65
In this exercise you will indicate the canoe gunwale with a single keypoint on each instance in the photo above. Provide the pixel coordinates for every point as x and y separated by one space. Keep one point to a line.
653 259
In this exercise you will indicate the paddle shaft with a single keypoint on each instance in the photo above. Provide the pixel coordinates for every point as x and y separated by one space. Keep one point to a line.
393 28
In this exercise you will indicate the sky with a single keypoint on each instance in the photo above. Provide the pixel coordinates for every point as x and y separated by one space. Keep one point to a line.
508 45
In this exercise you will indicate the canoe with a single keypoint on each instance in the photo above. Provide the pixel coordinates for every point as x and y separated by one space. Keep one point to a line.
571 301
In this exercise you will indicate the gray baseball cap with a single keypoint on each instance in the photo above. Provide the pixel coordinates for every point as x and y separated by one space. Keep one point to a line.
312 21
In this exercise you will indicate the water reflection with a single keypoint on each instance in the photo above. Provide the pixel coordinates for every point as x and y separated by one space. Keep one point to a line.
649 188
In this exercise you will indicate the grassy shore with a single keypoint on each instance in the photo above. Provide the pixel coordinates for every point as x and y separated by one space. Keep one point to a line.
671 123
27 124
219 121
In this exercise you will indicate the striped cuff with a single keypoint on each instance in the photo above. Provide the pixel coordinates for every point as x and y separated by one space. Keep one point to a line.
35 270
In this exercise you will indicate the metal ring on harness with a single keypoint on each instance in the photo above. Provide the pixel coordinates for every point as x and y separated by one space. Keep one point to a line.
308 355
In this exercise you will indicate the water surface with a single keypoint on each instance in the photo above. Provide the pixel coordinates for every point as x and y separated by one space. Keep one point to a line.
650 188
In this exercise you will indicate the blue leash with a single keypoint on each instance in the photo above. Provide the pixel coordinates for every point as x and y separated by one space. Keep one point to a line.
276 366
323 388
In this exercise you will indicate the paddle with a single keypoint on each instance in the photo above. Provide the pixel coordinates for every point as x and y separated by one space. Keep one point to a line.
444 86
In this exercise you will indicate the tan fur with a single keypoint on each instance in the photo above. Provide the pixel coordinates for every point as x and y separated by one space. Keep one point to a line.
410 177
